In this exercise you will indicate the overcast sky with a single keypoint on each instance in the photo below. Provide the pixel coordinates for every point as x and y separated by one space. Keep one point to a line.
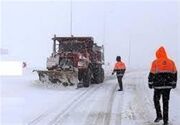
27 28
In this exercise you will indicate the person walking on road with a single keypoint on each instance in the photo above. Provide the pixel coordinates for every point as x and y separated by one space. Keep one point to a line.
119 69
163 78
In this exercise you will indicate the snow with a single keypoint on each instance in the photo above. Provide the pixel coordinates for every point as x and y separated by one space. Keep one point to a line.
25 101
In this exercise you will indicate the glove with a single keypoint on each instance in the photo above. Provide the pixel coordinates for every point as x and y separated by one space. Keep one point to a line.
173 85
150 84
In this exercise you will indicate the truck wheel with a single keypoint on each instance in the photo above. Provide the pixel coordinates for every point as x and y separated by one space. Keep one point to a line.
102 75
87 78
99 75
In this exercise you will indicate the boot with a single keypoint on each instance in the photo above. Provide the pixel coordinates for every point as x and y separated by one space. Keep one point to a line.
165 123
158 119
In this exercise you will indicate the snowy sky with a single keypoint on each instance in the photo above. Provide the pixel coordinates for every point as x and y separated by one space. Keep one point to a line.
27 28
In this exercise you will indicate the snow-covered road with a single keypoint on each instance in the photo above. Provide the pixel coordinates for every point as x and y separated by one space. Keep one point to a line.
100 104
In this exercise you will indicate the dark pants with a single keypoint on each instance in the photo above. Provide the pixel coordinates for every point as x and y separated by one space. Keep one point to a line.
165 98
120 82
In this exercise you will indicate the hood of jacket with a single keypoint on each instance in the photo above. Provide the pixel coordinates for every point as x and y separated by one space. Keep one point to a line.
161 53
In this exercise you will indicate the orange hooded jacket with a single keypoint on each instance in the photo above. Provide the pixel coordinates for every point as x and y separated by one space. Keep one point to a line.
162 63
163 73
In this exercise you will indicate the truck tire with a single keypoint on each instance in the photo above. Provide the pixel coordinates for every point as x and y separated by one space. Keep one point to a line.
87 78
99 75
102 75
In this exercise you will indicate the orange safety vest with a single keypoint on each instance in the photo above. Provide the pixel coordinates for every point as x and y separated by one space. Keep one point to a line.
162 63
119 66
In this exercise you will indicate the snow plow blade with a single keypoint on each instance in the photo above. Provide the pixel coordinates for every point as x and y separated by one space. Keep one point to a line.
66 77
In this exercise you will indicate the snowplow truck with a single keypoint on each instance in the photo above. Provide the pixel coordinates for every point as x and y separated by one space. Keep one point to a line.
74 60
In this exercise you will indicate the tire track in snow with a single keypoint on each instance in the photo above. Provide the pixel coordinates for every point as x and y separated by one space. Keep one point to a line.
103 117
57 120
43 115
107 116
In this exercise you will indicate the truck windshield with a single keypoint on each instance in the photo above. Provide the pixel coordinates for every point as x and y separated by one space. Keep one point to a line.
71 46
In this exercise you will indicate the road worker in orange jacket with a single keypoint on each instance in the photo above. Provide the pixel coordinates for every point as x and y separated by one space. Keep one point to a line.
119 69
162 77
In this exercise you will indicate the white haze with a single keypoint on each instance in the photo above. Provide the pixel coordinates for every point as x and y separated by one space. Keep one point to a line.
27 28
